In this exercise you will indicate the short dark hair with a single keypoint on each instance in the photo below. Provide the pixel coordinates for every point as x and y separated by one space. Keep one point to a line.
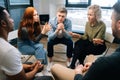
116 8
2 14
62 10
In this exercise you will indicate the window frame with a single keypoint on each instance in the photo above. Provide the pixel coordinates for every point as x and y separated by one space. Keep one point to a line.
83 5
78 5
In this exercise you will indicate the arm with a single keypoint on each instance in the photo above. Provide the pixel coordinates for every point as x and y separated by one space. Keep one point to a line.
67 28
45 29
85 36
13 67
101 31
95 71
99 39
24 34
29 75
52 34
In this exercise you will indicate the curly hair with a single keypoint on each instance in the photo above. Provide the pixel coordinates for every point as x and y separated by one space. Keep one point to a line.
97 11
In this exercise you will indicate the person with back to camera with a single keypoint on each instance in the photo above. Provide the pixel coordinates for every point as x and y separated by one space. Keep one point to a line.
11 67
104 68
60 34
92 42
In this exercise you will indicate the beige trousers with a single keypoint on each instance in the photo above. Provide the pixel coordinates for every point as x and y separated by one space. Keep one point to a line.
61 72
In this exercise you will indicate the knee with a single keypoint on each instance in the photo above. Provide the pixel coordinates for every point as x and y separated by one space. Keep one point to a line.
50 43
54 67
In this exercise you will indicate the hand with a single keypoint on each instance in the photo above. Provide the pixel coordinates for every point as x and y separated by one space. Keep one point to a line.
46 28
75 35
98 41
87 66
38 66
60 26
79 69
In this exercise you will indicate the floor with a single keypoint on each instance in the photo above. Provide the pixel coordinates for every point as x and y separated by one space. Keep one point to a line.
60 50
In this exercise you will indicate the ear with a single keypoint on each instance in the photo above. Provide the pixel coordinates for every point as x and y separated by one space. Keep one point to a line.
3 23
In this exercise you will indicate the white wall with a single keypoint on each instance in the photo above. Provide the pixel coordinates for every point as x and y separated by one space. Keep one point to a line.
48 6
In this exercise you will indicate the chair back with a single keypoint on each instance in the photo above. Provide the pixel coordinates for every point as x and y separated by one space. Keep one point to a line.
109 37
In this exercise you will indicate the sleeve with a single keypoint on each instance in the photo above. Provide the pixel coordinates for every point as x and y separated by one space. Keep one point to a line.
78 77
96 70
39 37
24 34
85 36
68 28
52 34
12 63
102 30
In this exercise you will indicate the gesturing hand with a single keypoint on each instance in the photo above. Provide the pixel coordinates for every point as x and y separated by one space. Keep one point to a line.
46 28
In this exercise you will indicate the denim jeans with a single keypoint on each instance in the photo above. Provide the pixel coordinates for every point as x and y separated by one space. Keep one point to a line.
32 48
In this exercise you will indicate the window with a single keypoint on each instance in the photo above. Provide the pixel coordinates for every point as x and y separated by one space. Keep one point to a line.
107 4
104 4
77 3
19 2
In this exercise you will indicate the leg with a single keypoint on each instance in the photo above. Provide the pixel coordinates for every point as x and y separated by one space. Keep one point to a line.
76 52
79 52
26 50
50 50
62 73
69 44
50 45
40 53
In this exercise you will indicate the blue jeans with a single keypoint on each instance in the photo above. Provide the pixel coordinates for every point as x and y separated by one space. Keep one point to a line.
31 48
67 42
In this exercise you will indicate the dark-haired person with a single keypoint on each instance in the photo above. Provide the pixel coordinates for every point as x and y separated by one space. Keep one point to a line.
104 68
11 67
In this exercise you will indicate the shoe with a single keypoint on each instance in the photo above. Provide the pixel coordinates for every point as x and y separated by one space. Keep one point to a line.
38 74
71 67
49 66
46 73
68 63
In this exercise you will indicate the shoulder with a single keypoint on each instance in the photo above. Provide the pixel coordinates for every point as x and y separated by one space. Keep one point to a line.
102 23
67 20
11 56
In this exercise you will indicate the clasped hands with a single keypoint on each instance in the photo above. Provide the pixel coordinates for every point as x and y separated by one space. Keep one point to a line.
80 69
60 26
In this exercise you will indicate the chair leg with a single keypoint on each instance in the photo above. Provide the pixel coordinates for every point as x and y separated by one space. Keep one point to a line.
28 58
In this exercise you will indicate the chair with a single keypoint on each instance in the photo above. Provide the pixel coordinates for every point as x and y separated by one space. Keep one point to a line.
25 58
109 38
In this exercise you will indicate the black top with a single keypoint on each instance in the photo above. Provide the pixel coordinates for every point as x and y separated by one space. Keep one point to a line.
104 68
24 36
